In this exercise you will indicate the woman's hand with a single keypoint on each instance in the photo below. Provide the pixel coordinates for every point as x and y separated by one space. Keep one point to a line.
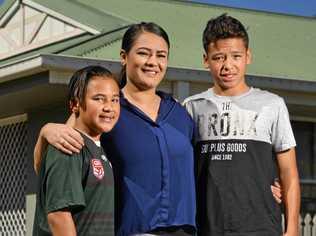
277 191
62 136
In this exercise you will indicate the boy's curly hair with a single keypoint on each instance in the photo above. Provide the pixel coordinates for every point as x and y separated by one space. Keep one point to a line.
223 27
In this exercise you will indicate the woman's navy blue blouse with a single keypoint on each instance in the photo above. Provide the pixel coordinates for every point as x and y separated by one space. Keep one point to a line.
153 166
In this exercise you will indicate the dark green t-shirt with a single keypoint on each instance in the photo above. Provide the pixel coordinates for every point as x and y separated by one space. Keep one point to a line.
81 183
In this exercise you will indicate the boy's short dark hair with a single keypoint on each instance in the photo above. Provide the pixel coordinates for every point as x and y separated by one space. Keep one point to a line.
223 27
77 87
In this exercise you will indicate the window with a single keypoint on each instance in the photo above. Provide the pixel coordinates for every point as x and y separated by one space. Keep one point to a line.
305 135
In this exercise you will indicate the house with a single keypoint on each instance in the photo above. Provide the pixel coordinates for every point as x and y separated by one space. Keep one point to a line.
42 42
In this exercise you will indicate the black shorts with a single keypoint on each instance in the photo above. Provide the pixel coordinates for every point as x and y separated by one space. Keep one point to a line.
174 231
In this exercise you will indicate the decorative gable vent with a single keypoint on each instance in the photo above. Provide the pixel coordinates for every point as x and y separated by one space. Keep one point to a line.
28 25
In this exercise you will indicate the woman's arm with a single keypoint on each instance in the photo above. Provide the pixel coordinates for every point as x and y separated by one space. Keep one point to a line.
40 147
277 191
61 136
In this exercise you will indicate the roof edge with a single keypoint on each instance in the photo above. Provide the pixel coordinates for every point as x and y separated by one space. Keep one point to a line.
44 62
98 40
21 68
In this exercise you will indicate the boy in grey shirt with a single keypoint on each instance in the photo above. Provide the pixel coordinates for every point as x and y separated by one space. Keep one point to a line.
239 129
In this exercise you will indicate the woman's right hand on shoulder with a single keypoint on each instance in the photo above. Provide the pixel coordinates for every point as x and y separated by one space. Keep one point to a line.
63 137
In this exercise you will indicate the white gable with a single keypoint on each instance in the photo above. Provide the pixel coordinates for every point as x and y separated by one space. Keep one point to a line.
28 26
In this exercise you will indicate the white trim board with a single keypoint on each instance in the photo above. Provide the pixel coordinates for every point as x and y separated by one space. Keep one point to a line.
11 11
6 17
57 15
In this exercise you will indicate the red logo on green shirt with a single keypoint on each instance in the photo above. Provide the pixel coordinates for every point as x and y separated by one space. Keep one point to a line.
97 167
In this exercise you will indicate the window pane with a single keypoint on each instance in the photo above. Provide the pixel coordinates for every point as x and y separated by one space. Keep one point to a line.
306 160
303 132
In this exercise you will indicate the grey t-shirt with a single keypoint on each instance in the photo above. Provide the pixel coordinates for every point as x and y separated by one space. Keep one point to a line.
235 141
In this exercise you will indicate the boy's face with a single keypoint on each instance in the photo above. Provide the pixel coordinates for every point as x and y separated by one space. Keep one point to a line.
102 107
227 60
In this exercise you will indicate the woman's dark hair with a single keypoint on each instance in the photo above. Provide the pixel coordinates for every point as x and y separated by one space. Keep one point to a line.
223 27
77 87
132 34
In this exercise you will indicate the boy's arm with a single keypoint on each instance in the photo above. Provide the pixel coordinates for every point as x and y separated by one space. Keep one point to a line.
62 136
61 190
61 223
291 189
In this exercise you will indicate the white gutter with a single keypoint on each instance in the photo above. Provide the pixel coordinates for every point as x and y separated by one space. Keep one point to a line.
48 62
52 62
21 68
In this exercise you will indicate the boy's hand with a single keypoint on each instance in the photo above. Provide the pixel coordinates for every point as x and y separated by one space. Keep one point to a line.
63 137
277 191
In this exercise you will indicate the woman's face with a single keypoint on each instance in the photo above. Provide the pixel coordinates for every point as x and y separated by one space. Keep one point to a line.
146 62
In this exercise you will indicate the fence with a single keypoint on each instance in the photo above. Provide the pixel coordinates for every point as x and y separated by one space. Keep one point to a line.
13 145
308 225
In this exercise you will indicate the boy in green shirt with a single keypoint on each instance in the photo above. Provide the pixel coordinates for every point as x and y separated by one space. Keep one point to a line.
76 193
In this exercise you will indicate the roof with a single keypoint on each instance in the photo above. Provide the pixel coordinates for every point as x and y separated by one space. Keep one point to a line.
282 45
88 14
108 27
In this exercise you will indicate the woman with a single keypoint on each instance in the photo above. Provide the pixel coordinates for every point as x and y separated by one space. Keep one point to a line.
150 147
